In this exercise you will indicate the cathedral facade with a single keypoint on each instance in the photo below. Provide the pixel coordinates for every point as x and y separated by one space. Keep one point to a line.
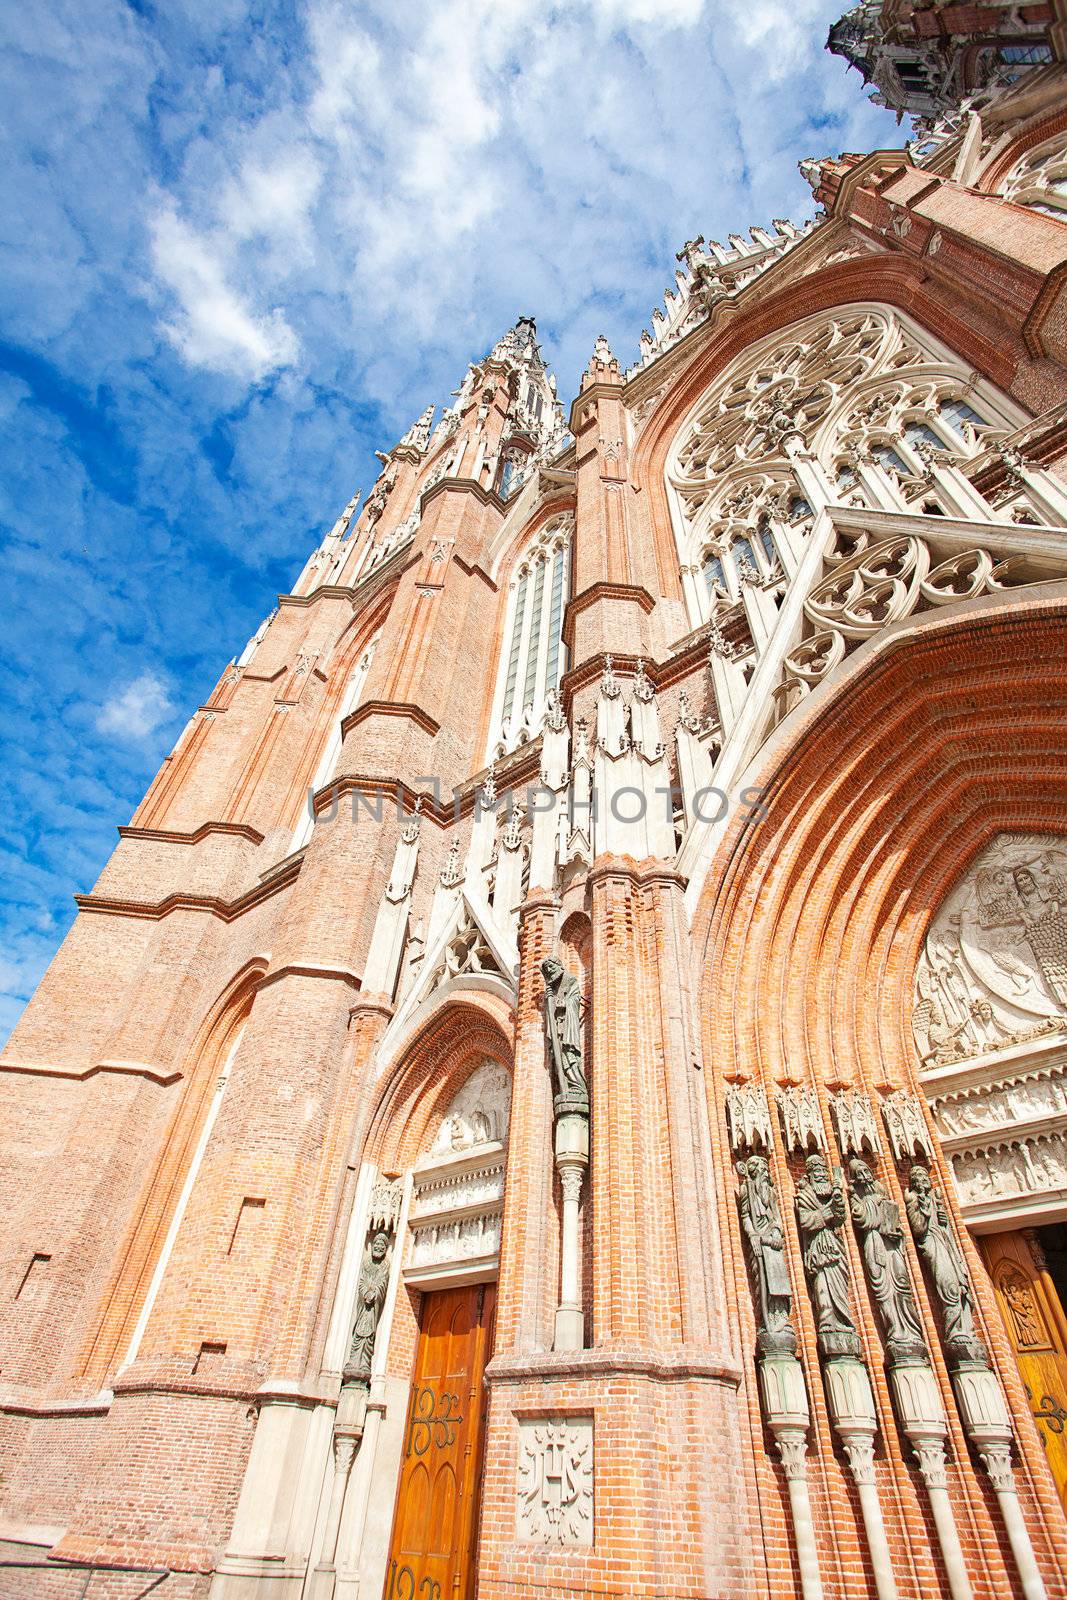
561 1088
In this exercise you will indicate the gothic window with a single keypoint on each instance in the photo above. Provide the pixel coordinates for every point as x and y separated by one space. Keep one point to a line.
331 755
766 539
862 379
1039 180
1026 55
887 457
743 554
917 433
513 473
714 575
533 658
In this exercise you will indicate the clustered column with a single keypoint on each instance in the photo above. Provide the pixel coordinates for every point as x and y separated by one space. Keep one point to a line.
823 1206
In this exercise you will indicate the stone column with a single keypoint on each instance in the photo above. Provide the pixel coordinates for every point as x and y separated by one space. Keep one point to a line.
785 1407
848 1390
985 1417
572 1159
922 1417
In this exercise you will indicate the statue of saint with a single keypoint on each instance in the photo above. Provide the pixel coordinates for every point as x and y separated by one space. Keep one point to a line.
928 1216
878 1219
563 1015
762 1224
821 1215
370 1298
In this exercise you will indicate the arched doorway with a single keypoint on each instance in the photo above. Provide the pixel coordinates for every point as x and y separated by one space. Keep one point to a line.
890 784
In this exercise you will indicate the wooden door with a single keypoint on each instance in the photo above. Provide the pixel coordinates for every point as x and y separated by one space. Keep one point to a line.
436 1521
1037 1327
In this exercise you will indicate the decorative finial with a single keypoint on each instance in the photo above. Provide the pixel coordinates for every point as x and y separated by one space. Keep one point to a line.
602 351
450 873
609 683
643 689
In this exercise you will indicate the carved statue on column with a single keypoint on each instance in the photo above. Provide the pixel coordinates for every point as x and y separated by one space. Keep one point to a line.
762 1224
821 1213
563 1015
878 1219
370 1298
929 1219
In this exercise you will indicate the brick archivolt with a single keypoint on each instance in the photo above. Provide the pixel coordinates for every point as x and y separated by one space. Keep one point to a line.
811 922
419 1081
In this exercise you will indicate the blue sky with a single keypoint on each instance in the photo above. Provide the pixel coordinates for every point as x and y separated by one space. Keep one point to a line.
243 245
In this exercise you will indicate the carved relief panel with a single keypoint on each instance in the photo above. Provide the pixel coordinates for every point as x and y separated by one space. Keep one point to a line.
458 1189
555 1489
993 970
990 1018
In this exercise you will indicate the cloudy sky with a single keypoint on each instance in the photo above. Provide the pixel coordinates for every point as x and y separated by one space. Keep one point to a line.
243 244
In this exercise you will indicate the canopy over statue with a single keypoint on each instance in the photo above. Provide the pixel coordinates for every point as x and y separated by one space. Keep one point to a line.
563 1019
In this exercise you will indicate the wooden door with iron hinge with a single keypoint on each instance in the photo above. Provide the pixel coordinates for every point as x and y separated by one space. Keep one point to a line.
1036 1323
435 1527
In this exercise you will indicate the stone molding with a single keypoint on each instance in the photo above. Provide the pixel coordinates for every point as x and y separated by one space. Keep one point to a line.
239 830
607 1360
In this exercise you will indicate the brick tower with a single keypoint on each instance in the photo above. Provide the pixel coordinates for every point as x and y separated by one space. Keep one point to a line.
561 1089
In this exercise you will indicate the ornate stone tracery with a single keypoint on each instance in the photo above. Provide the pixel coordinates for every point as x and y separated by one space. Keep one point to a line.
1039 178
860 385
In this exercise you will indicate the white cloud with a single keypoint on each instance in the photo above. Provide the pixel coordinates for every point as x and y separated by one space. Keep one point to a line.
427 166
214 327
137 710
666 13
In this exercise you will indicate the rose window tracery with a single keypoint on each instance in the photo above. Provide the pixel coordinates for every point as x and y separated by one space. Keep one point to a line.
1039 179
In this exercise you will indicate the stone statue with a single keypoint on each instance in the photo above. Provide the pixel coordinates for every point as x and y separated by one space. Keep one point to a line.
762 1224
928 1216
878 1219
563 1013
370 1298
821 1214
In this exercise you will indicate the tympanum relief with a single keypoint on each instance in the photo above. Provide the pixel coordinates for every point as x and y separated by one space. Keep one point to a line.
458 1187
993 970
990 1021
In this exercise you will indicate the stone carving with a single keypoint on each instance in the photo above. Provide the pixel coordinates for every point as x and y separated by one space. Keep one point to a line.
761 1220
993 970
563 1018
929 1220
906 1125
1033 1098
821 1212
1026 1319
555 1489
798 1107
479 1111
877 1218
439 1190
370 1298
1019 1167
856 1124
749 1116
434 1244
876 585
467 952
385 1201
